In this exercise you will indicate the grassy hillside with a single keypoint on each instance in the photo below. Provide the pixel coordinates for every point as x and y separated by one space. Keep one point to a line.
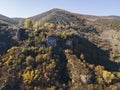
56 16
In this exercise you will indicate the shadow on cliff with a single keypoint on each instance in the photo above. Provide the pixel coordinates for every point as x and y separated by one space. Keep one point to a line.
6 41
93 54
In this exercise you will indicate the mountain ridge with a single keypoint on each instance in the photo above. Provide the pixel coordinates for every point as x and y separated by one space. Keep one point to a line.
52 12
7 19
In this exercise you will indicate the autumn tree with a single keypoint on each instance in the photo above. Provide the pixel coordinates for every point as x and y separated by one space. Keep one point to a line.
49 26
36 24
28 23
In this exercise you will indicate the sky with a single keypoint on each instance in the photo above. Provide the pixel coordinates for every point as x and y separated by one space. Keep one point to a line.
28 8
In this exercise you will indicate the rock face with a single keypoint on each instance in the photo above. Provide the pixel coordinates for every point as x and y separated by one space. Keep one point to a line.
69 43
52 40
21 34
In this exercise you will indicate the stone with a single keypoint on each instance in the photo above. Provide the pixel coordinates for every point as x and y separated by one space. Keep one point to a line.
69 43
82 56
52 40
85 79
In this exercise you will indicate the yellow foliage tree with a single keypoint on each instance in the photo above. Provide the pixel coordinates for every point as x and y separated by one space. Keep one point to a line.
28 23
108 76
30 77
36 24
49 26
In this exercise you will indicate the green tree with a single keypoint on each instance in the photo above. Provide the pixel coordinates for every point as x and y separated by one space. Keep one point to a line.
28 23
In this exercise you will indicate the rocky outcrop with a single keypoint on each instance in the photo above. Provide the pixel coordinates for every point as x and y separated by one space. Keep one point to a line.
21 34
69 43
52 40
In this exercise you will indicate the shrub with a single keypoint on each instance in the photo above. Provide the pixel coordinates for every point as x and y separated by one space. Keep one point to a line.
99 70
51 65
38 58
108 76
31 77
30 60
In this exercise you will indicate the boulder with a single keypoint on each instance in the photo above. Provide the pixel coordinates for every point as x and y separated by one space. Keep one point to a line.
52 40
